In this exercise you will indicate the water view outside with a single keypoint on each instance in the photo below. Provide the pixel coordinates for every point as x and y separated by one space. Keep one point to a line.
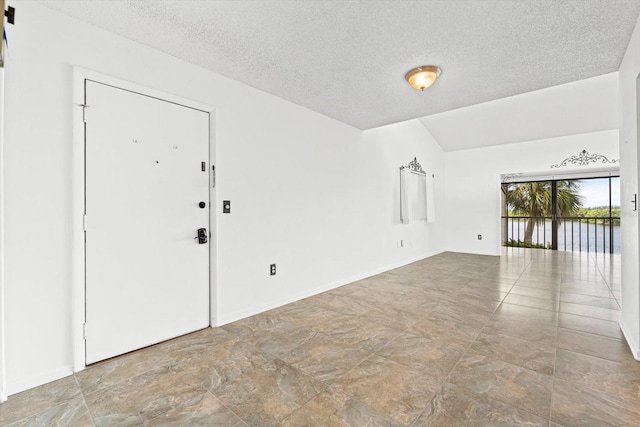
592 203
571 237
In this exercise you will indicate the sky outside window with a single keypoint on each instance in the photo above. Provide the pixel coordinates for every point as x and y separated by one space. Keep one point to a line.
596 192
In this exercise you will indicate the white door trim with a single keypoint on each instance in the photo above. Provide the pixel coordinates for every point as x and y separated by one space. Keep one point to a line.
78 201
3 371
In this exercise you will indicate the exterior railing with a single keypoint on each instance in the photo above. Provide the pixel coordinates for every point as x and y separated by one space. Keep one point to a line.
582 234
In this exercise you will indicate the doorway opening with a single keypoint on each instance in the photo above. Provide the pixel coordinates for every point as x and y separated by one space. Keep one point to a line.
575 215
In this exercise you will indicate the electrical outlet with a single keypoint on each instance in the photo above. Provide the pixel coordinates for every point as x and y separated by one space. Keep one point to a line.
479 236
272 269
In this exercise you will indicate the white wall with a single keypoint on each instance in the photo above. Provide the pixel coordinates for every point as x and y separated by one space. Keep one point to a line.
313 195
473 182
583 106
629 119
322 202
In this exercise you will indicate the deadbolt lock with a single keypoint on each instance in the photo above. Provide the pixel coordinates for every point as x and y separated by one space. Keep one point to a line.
202 236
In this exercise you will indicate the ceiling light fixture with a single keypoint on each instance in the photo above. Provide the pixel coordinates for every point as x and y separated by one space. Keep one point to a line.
422 77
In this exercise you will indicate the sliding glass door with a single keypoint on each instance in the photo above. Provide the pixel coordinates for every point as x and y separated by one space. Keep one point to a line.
569 215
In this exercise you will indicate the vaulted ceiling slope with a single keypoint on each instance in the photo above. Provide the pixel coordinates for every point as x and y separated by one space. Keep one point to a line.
584 106
347 59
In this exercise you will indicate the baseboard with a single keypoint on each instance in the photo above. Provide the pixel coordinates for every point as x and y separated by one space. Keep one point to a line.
241 314
473 252
37 380
631 342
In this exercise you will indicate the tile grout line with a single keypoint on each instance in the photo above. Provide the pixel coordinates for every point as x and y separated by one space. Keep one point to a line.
466 352
553 375
84 400
393 335
207 390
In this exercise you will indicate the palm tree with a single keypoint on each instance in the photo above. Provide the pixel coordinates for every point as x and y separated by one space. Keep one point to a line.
534 200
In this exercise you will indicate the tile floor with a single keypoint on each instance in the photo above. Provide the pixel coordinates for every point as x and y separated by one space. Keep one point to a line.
529 338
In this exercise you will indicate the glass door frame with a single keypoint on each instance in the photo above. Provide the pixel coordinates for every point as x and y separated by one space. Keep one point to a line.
556 218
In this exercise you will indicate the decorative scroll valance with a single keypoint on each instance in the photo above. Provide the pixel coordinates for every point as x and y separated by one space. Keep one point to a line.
584 158
508 177
414 166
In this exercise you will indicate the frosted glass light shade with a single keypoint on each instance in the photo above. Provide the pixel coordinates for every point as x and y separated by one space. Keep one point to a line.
422 77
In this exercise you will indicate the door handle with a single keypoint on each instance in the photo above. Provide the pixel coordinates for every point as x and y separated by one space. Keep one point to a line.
202 236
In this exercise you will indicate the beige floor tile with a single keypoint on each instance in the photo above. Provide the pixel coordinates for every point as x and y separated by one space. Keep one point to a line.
355 304
105 374
398 320
430 358
221 363
594 345
39 399
575 405
529 338
609 303
399 298
272 335
481 293
529 301
548 294
452 327
344 304
473 303
590 311
337 410
510 384
145 396
591 325
369 332
526 354
594 291
522 329
540 282
389 388
326 359
267 395
514 311
70 413
496 284
600 374
204 409
457 406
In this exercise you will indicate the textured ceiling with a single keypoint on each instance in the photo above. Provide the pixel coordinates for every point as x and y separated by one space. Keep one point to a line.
347 59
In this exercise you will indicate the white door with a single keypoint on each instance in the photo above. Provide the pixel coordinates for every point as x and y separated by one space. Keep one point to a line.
147 273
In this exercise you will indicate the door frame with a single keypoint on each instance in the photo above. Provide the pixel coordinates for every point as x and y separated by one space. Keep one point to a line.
3 369
78 200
